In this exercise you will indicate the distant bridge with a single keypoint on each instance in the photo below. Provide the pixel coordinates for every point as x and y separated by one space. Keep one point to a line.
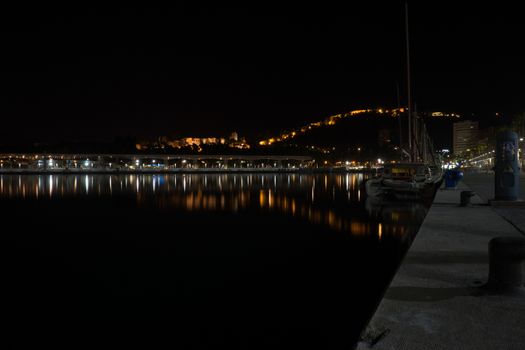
114 163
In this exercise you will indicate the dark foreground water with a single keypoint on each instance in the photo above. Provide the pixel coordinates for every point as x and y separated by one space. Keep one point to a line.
195 261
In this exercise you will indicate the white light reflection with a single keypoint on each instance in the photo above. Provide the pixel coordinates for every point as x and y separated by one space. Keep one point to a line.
204 194
50 185
313 191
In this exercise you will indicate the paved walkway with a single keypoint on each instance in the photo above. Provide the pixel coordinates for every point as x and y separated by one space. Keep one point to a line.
433 301
483 184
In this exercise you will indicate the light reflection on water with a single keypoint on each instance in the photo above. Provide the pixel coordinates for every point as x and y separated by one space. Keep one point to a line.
298 251
331 200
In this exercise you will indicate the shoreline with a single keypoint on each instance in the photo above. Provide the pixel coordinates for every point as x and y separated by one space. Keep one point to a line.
118 171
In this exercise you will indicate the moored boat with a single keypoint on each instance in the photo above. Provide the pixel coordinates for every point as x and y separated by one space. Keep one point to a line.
404 181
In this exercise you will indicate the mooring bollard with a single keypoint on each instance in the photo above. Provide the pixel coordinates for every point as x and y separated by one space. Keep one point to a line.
506 256
465 197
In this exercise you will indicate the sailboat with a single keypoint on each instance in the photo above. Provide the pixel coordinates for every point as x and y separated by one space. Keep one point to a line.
419 176
404 181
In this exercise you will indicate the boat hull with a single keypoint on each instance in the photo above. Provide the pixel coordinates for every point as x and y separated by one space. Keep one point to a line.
400 190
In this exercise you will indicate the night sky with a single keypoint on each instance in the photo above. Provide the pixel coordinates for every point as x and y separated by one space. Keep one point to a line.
93 74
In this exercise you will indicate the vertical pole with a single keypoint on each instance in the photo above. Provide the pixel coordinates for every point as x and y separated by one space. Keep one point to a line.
409 111
417 130
424 138
399 118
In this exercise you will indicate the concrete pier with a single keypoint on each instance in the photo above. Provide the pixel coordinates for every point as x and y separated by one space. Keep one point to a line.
437 300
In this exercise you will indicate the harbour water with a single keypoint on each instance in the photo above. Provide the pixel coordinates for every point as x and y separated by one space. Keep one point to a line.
199 260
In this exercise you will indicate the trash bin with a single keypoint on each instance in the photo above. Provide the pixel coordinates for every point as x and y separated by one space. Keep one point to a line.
452 177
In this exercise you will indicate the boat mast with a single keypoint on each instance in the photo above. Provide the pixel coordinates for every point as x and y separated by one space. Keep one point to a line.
409 109
400 121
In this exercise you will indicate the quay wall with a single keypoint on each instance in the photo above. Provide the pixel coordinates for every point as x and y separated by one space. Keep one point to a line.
437 300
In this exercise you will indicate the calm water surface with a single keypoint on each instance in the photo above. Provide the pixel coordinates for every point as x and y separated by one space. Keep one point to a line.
198 261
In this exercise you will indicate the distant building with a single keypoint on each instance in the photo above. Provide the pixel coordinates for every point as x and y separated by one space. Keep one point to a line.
234 136
465 136
194 142
445 114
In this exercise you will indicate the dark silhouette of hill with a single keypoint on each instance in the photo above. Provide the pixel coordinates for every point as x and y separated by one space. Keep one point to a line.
364 136
360 131
370 131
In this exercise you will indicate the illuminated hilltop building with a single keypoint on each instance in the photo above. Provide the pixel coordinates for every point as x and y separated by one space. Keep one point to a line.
196 142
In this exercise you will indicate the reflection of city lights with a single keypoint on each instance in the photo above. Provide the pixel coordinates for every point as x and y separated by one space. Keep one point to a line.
262 199
285 195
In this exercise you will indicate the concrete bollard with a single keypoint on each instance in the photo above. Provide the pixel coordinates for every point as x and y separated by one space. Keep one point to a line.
465 197
506 256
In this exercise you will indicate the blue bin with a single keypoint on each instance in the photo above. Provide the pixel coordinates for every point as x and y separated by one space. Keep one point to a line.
452 177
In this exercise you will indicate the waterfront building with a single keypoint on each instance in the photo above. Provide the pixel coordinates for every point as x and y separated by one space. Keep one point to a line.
465 136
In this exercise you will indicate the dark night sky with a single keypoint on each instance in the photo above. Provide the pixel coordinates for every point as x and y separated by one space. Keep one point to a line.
93 74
